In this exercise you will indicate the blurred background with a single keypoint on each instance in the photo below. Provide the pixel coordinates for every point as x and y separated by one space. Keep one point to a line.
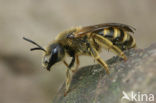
22 78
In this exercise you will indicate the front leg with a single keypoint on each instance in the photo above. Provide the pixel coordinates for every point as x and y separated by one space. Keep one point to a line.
69 66
68 80
68 75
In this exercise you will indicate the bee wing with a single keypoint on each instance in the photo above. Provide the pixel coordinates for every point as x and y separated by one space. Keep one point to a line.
94 28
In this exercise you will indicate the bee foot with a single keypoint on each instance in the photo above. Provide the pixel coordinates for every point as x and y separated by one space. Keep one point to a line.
73 71
66 92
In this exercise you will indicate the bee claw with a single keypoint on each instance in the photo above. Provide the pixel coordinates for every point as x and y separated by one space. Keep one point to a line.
108 72
125 58
66 92
73 71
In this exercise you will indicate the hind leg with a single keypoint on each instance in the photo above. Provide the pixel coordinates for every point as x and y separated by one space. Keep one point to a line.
107 43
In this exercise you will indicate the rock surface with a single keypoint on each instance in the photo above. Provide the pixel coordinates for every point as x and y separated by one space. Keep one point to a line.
91 84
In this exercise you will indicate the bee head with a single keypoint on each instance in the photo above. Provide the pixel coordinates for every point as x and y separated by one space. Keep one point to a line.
54 54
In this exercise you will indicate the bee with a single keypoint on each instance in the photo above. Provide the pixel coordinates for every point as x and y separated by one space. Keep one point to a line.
88 40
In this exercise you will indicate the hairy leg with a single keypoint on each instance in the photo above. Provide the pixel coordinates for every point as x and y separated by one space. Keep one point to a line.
77 64
68 80
94 53
107 43
68 76
66 64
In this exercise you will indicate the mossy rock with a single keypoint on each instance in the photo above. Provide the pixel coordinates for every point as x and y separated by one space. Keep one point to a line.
92 85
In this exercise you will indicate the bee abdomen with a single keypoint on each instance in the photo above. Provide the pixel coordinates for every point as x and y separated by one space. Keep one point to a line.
119 37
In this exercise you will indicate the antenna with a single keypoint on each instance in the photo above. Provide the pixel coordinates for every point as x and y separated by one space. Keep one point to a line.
36 48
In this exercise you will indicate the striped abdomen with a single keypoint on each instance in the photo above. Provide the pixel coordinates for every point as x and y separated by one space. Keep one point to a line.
119 37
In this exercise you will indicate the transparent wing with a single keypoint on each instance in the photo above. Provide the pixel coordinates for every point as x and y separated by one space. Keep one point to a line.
94 28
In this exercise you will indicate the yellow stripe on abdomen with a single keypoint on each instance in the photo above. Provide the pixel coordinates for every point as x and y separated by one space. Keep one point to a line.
105 31
125 36
116 32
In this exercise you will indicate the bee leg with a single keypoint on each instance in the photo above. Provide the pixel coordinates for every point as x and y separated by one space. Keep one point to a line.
71 63
66 64
119 52
68 76
104 64
95 54
68 80
109 44
77 64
